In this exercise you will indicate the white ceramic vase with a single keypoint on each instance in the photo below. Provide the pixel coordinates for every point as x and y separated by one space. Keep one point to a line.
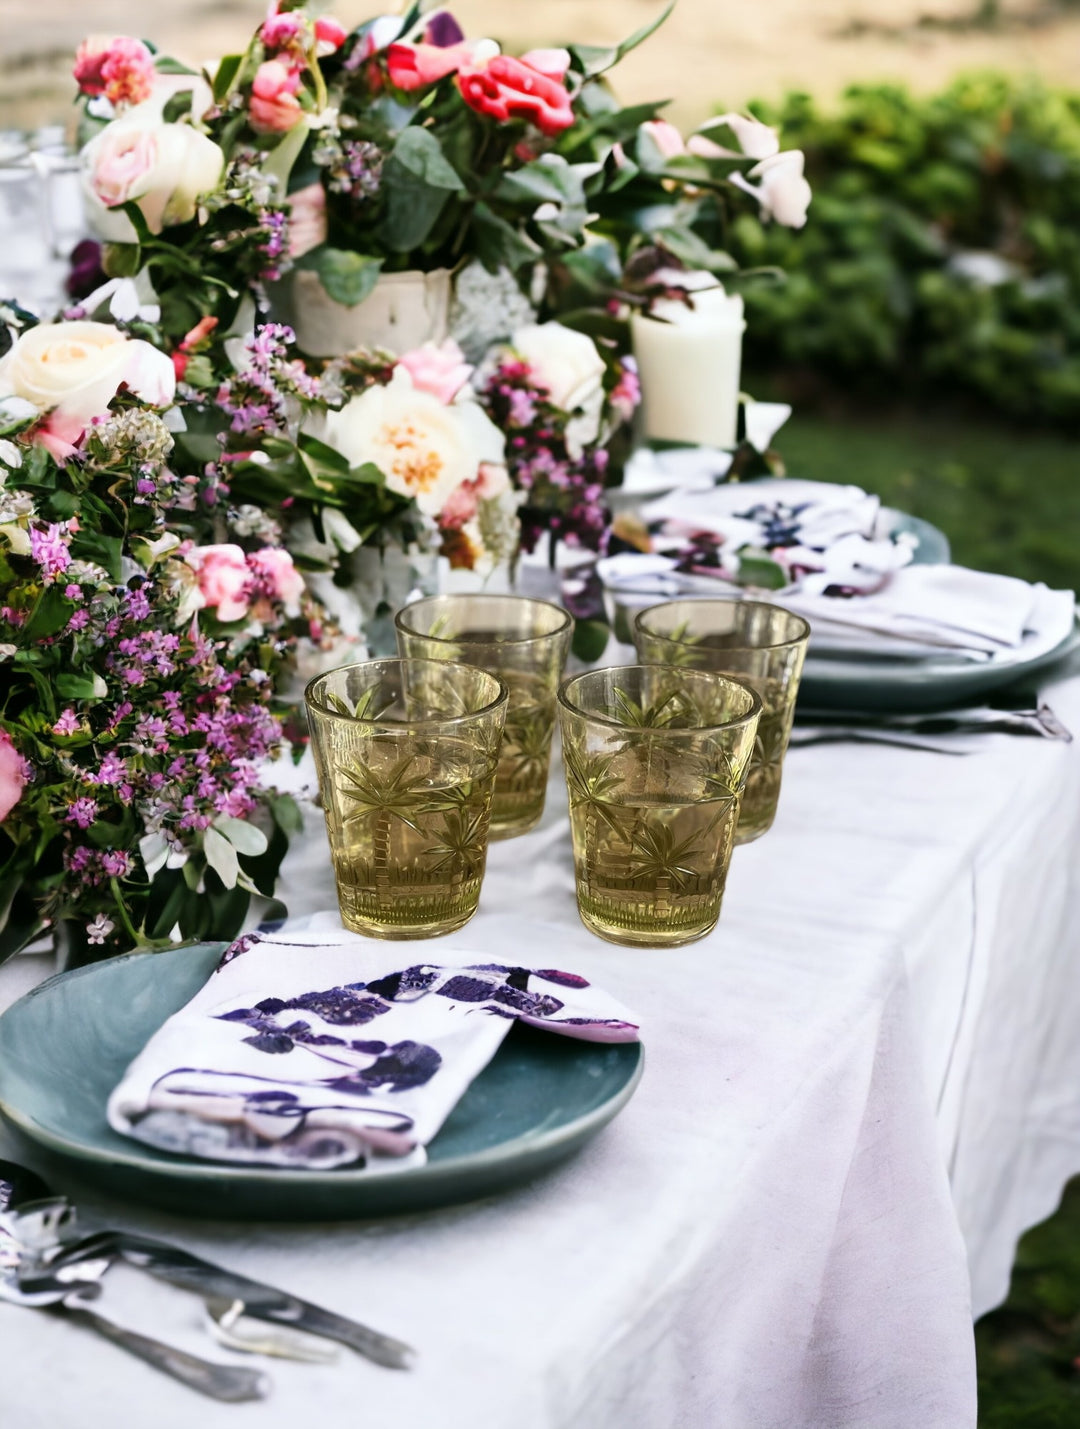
403 311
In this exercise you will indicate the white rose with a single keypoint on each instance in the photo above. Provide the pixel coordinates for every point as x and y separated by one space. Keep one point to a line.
784 193
164 168
567 364
423 447
75 369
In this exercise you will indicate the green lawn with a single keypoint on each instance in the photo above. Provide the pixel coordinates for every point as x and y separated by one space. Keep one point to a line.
1009 501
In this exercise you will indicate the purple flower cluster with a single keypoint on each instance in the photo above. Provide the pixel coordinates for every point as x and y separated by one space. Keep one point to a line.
564 493
353 166
261 398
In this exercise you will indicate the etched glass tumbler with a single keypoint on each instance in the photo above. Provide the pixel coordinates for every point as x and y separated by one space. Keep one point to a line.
525 642
655 762
406 752
759 643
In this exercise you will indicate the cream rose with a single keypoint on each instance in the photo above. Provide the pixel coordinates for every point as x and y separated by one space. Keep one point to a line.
75 369
783 191
567 364
164 168
424 448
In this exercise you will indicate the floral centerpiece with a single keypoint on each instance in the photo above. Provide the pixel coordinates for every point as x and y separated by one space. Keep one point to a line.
316 171
139 658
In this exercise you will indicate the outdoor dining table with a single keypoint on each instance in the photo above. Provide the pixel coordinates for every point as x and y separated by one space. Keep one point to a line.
858 1091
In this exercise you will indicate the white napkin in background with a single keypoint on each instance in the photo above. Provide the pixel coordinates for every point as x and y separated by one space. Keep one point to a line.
825 512
939 610
319 1049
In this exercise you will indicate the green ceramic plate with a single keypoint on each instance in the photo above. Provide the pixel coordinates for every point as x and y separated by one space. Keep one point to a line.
65 1046
910 686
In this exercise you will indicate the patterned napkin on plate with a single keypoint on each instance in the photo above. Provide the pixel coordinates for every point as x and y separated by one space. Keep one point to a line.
315 1050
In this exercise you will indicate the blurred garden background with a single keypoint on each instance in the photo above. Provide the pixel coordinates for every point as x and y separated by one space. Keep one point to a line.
927 331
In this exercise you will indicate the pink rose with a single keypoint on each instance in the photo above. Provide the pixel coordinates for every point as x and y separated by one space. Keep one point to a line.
440 370
460 506
413 66
329 35
280 31
307 219
13 775
274 107
121 68
273 567
665 136
224 579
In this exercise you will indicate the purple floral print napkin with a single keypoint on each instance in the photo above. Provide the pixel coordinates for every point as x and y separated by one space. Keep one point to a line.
317 1050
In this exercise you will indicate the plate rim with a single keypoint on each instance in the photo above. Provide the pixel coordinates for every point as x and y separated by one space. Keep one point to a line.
188 1168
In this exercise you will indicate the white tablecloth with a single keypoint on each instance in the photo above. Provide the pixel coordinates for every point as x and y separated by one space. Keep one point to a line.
765 1238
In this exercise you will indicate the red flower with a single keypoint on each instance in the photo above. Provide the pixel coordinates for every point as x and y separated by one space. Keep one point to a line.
507 88
413 66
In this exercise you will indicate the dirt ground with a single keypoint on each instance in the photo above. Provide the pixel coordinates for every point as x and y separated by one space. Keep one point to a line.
709 52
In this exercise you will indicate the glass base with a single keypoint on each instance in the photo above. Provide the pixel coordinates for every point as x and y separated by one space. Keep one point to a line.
497 832
747 834
404 932
635 938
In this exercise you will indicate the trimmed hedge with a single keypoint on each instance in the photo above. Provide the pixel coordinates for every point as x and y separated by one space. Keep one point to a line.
942 252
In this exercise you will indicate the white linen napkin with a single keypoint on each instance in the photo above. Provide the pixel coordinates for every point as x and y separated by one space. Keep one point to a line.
318 1049
939 610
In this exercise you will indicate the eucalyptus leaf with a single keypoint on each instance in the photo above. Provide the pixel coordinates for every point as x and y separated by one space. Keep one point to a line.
347 277
221 856
420 153
244 837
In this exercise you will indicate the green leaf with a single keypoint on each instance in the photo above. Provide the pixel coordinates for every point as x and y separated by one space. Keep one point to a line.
177 106
227 71
759 571
165 64
595 59
325 456
347 277
420 153
168 894
52 613
590 640
121 260
413 208
499 244
77 687
287 816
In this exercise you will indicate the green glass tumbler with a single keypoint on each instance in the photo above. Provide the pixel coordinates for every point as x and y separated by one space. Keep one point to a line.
523 641
406 752
757 642
656 760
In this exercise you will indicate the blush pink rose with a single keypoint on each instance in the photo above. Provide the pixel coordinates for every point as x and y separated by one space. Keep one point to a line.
224 579
120 68
12 775
280 31
274 107
439 369
274 568
506 88
307 219
491 481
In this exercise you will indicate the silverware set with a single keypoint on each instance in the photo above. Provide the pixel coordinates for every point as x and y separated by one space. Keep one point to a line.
46 1263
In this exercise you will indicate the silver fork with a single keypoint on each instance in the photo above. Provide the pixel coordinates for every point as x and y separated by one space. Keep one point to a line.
229 1383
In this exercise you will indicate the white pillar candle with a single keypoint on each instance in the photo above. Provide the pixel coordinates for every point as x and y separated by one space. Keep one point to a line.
688 360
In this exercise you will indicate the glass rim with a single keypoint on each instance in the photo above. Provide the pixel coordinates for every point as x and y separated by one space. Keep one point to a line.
754 712
560 629
440 721
639 619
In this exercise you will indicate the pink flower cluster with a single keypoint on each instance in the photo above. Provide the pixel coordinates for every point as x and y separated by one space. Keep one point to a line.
121 69
231 583
288 40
